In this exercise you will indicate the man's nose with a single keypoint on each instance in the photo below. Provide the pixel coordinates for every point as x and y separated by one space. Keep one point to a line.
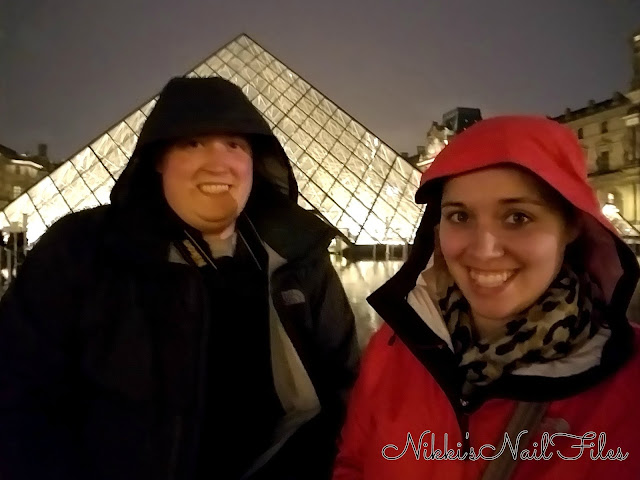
216 152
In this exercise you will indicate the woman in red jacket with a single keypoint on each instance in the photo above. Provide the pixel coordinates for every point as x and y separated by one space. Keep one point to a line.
506 351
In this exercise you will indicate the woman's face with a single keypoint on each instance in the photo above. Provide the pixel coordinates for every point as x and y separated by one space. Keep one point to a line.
503 241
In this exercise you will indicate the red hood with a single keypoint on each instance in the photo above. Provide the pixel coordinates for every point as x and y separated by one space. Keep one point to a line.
552 152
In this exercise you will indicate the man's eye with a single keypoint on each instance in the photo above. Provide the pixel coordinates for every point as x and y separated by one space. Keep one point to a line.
190 143
236 143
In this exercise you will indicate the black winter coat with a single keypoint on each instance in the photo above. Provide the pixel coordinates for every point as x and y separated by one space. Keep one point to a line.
102 347
104 333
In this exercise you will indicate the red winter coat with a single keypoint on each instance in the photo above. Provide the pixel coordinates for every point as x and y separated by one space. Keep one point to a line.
407 389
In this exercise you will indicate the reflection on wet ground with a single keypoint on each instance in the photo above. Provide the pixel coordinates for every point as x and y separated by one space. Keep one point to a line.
360 279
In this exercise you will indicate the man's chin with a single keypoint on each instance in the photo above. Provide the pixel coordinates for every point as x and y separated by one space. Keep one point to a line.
217 226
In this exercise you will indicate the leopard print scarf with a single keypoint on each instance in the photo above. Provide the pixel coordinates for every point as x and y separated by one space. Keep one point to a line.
559 322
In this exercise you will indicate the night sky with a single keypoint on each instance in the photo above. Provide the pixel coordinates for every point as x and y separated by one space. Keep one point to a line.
70 69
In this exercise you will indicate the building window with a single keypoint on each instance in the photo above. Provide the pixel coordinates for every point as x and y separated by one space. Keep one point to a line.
602 161
604 127
580 133
17 190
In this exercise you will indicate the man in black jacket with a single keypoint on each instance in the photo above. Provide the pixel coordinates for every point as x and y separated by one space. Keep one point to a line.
194 328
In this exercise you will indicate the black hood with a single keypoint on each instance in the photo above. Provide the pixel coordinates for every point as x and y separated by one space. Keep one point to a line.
189 107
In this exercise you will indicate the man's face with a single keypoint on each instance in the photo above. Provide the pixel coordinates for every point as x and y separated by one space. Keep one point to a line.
207 181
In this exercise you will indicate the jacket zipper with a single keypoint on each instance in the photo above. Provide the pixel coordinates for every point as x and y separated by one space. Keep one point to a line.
177 436
202 373
200 392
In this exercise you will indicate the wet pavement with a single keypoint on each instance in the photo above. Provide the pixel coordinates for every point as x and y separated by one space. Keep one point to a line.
360 279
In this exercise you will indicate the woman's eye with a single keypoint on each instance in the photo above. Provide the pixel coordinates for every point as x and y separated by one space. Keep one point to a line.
458 217
518 218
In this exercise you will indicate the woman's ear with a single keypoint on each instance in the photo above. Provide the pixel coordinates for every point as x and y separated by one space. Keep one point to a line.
573 228
437 278
438 258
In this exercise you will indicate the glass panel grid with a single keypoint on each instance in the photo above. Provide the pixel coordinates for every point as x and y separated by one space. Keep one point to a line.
103 191
301 86
22 205
274 114
306 106
64 175
266 57
225 55
297 115
374 187
203 70
135 121
84 160
53 210
293 95
332 165
307 164
257 65
302 138
319 116
247 73
250 91
42 192
247 55
215 63
323 179
95 176
278 67
146 109
238 80
313 193
342 118
115 161
311 127
349 179
333 128
284 104
235 48
236 64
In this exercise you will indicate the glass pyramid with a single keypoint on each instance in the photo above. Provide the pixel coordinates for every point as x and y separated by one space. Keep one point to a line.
344 172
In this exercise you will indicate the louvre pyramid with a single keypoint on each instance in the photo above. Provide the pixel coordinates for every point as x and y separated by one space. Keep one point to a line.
344 171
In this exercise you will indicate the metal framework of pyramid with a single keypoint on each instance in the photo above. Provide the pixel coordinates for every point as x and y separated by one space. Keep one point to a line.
344 172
